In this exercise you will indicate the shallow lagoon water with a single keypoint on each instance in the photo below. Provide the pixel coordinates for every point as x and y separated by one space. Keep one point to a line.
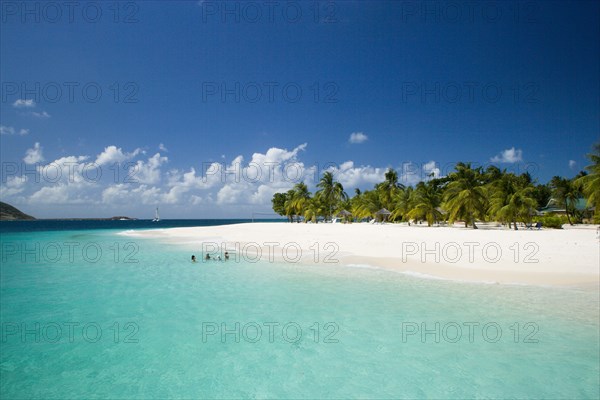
141 321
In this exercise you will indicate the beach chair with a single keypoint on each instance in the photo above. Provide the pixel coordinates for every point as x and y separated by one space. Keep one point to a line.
529 225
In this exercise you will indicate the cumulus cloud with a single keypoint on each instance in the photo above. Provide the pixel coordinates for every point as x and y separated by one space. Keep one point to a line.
112 154
235 188
508 156
148 172
162 147
572 164
42 114
431 170
14 185
24 103
34 155
256 181
124 194
58 194
351 176
357 138
9 130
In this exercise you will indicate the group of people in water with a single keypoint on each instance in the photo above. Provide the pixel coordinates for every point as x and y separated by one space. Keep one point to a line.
207 257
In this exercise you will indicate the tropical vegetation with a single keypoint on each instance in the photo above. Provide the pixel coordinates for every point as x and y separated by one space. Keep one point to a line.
467 194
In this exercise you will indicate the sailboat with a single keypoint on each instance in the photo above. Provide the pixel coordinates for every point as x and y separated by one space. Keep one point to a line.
156 216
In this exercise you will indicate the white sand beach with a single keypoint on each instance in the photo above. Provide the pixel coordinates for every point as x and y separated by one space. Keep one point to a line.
494 255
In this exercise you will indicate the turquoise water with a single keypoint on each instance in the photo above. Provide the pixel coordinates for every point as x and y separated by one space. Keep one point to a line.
138 320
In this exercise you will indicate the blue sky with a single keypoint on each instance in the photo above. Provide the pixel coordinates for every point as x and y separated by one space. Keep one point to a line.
169 92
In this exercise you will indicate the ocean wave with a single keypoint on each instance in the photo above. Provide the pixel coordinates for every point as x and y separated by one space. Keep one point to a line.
421 275
365 266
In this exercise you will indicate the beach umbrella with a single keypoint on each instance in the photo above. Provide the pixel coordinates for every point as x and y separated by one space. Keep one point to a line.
344 214
384 213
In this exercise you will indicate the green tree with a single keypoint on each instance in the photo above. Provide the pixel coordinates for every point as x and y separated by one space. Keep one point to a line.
402 204
425 201
300 198
542 194
330 192
590 183
465 196
278 202
290 209
566 193
512 199
366 204
314 209
389 188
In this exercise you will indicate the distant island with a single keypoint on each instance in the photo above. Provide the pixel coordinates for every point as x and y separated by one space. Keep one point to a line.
10 213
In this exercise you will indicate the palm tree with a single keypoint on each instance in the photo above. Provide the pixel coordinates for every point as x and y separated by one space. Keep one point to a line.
331 192
426 199
492 174
590 184
512 198
313 209
389 187
366 205
401 203
300 198
465 196
289 207
566 193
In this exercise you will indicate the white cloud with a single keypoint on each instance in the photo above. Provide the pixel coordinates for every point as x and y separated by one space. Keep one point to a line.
218 189
9 130
148 172
64 193
14 185
123 194
572 164
255 182
357 138
24 103
180 184
508 156
43 114
112 154
229 194
196 200
34 155
162 147
352 177
51 195
430 169
67 170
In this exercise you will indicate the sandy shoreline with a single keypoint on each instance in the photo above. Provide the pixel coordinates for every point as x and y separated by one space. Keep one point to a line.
569 257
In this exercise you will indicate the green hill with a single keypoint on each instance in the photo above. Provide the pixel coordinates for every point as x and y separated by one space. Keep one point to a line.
9 213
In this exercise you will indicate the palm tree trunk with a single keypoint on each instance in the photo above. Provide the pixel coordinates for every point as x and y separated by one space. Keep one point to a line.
473 221
515 223
567 212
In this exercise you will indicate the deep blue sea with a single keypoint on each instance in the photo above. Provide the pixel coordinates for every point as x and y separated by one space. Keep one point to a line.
89 313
